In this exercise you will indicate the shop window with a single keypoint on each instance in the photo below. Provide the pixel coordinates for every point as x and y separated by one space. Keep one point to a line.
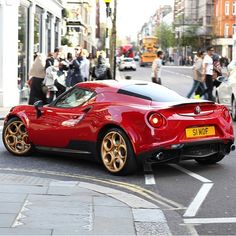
38 29
226 30
22 45
48 32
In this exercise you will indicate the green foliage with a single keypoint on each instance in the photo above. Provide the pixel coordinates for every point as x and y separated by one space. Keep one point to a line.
65 13
190 37
165 36
66 41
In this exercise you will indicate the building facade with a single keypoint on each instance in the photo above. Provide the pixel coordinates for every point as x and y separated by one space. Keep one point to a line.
195 13
225 26
26 27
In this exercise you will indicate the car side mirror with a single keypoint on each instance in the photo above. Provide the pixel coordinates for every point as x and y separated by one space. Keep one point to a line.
38 105
221 79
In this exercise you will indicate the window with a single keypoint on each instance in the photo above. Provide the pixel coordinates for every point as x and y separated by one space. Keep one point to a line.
22 45
74 98
234 28
38 29
226 31
234 8
227 8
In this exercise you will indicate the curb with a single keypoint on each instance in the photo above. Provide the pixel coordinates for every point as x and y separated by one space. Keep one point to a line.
147 217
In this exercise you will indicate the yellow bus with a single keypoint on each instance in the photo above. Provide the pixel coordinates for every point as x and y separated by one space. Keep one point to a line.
148 49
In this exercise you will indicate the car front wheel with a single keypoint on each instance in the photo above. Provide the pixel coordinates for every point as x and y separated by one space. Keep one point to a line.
15 137
211 159
117 153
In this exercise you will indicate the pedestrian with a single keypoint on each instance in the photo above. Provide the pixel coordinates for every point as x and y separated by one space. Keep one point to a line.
198 76
37 74
75 67
156 68
85 65
208 72
101 71
53 58
60 81
217 70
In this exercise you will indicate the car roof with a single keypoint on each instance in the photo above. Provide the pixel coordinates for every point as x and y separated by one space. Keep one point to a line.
110 85
135 88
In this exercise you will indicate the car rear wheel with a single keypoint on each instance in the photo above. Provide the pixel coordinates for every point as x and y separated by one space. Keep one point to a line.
15 137
210 160
233 109
117 153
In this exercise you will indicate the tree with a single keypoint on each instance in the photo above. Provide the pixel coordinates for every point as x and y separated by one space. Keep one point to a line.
190 37
165 36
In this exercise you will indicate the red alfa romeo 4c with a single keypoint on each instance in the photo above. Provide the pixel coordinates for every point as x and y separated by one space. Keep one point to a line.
122 124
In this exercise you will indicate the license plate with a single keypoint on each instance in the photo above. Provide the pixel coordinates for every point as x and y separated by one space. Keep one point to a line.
200 132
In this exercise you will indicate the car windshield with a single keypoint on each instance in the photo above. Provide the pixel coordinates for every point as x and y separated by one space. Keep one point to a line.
74 98
151 92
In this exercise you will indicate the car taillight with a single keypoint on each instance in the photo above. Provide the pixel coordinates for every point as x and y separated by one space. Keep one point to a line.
226 114
156 120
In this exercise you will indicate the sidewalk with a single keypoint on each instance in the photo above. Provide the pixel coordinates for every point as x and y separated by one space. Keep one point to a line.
36 206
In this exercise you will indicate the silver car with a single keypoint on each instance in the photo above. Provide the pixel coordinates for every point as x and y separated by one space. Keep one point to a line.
226 92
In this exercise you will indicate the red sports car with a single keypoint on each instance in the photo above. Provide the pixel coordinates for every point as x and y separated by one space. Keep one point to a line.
122 124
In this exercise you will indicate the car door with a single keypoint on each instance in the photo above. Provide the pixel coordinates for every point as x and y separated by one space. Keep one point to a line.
59 123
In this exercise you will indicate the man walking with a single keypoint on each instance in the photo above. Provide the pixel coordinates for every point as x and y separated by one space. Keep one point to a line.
208 72
156 68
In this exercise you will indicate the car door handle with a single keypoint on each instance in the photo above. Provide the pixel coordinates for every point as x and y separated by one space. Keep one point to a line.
87 109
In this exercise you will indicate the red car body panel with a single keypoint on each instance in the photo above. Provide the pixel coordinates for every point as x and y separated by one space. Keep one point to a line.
57 127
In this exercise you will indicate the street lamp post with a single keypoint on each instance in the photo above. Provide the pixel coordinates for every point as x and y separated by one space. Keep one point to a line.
108 13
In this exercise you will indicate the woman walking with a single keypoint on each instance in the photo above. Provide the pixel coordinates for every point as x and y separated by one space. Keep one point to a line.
37 74
198 76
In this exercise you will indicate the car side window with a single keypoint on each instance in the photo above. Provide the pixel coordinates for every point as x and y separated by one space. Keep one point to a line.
74 98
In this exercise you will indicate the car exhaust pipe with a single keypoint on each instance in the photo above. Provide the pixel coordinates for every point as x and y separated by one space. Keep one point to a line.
232 147
159 156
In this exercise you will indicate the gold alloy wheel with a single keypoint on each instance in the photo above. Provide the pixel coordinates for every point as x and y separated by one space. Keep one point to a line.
16 138
114 151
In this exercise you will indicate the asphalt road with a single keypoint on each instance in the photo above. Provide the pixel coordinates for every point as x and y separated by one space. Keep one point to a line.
201 198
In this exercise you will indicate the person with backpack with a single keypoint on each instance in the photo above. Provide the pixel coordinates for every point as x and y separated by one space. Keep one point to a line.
101 71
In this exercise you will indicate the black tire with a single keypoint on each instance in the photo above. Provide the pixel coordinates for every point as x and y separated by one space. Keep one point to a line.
116 152
233 109
15 138
211 159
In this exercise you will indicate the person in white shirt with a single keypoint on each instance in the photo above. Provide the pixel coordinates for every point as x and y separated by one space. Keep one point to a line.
84 67
208 72
156 68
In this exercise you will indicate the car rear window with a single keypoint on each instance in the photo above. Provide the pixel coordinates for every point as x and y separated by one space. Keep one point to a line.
152 92
128 60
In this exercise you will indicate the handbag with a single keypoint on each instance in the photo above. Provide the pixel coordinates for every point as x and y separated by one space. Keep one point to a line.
44 89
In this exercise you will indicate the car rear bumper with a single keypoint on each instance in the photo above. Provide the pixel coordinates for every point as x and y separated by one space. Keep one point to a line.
187 151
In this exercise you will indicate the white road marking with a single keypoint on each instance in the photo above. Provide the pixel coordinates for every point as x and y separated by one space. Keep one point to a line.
149 179
202 193
210 220
194 175
198 200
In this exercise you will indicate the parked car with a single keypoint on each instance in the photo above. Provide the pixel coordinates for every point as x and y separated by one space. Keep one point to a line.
226 93
136 57
122 124
127 63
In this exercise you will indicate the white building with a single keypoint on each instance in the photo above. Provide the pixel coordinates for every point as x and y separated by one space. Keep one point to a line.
26 27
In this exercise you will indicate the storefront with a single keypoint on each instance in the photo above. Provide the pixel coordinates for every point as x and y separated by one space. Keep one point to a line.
26 27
